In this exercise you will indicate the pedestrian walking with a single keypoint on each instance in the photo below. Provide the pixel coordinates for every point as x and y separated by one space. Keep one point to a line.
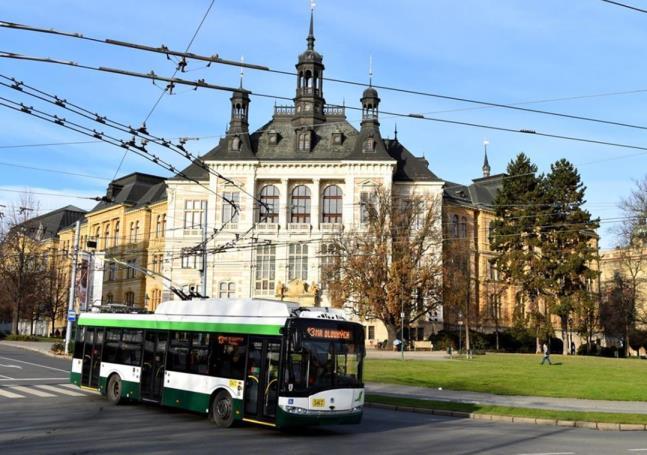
546 351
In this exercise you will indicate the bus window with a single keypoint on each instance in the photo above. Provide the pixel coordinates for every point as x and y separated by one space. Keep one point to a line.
111 345
199 363
78 344
227 359
178 352
130 351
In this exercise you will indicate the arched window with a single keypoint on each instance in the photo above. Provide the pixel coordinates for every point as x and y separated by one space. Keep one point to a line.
454 227
158 226
130 298
463 228
106 234
116 242
131 239
109 298
269 210
300 212
97 236
332 205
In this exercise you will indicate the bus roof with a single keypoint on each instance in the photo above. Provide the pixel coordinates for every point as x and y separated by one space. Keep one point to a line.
250 316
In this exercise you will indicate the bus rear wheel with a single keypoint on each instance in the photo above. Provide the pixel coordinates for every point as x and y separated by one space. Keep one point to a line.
222 410
113 391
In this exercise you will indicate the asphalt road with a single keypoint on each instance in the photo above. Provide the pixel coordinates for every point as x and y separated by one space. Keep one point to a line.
39 414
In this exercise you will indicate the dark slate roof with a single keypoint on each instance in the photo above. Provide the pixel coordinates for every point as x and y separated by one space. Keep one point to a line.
156 193
49 224
132 189
481 192
409 168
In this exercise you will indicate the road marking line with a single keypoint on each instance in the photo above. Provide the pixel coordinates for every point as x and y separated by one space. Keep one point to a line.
52 388
2 376
549 453
33 379
5 393
636 450
38 393
84 390
34 364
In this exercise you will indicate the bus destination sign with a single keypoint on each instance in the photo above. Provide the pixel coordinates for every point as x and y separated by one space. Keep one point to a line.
329 334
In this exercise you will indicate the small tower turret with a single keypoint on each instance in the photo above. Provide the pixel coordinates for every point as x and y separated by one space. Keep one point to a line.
486 164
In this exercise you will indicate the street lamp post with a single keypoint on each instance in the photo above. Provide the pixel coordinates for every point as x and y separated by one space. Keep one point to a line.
460 331
402 331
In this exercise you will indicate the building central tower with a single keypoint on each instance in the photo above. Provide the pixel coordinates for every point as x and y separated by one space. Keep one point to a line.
309 102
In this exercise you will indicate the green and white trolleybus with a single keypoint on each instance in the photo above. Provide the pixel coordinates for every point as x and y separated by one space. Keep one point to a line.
260 361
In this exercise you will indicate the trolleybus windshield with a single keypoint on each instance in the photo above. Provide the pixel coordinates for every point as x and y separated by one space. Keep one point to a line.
323 355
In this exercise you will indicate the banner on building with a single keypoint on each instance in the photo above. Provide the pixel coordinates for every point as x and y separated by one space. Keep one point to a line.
95 291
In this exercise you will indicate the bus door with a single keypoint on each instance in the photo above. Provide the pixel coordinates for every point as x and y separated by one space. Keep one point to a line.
262 379
153 365
92 346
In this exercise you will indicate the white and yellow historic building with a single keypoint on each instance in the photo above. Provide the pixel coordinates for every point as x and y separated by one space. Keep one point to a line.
297 180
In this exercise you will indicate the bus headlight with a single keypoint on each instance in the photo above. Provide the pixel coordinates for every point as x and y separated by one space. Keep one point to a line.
356 409
296 410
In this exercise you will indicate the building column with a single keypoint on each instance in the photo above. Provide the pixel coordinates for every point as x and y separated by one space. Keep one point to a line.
283 204
315 199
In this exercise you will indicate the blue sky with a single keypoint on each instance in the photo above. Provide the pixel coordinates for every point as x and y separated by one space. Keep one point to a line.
497 50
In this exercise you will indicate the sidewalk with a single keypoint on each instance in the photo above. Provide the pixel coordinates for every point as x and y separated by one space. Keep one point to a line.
38 346
559 404
409 355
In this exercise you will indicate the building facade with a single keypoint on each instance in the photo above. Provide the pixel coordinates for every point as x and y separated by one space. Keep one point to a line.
298 181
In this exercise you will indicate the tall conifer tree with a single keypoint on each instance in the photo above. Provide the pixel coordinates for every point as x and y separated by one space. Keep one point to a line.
568 243
515 236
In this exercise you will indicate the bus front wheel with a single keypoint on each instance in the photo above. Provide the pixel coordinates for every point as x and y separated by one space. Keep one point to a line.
113 391
222 410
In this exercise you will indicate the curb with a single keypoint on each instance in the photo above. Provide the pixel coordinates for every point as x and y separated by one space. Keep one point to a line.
600 426
29 348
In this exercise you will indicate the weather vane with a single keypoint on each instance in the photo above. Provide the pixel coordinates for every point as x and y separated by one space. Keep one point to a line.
242 72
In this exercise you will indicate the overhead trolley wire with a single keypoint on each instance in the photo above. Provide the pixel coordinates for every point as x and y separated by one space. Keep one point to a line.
625 5
217 60
202 84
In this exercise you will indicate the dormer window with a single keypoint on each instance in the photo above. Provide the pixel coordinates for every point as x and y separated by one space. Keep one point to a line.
369 145
337 138
235 143
304 141
273 137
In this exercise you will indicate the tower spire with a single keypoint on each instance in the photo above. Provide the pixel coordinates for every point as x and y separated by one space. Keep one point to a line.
486 164
370 71
311 33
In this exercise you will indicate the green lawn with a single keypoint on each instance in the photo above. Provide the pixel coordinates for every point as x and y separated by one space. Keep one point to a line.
520 374
605 417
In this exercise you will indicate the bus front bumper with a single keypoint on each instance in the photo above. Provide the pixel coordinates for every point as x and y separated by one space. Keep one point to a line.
301 418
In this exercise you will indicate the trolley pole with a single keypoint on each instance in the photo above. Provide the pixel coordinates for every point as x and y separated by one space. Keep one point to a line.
203 274
70 304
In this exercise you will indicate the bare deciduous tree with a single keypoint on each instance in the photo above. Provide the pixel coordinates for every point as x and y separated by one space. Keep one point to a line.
391 265
22 263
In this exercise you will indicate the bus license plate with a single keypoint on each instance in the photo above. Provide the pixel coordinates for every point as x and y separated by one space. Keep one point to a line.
318 402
